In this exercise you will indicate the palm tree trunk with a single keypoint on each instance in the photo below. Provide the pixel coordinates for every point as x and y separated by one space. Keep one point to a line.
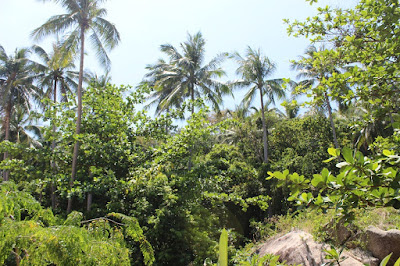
53 146
7 117
79 117
264 125
328 104
192 97
191 147
166 125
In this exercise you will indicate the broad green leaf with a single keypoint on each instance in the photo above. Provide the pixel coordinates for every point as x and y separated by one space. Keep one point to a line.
318 200
317 180
334 152
271 175
373 166
325 173
348 155
286 172
360 157
279 175
387 153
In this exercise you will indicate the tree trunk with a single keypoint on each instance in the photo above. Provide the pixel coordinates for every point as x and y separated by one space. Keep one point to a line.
192 97
166 125
328 104
264 125
191 147
79 117
89 195
89 201
17 256
53 146
6 173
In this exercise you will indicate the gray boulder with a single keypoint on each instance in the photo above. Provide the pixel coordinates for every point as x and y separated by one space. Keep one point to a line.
298 247
381 243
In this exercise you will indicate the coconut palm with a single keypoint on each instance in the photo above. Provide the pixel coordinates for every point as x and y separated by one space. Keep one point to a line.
56 72
161 88
311 77
21 128
99 81
291 109
255 69
185 76
83 17
16 87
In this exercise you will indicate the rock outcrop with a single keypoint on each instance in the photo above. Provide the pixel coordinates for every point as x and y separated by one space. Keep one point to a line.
298 247
381 243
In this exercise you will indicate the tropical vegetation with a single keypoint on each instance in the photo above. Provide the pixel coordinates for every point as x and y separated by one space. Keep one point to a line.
196 184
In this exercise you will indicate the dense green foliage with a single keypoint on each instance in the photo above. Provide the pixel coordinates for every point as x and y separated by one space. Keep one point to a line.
186 181
32 235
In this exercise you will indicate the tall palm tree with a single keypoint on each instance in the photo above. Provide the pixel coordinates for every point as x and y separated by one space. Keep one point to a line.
311 77
56 72
185 75
83 17
255 69
16 87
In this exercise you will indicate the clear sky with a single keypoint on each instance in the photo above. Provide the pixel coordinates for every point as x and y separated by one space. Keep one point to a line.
226 25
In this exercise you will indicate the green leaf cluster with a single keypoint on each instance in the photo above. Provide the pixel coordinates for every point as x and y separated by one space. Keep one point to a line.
361 182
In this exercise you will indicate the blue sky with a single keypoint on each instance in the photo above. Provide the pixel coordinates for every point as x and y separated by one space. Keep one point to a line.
226 25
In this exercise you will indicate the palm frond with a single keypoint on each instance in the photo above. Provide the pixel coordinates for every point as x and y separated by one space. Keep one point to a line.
107 31
100 51
56 24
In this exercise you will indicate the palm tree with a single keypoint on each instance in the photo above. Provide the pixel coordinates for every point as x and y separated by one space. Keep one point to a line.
312 77
83 16
21 129
56 72
185 76
161 88
255 69
16 87
291 109
99 81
